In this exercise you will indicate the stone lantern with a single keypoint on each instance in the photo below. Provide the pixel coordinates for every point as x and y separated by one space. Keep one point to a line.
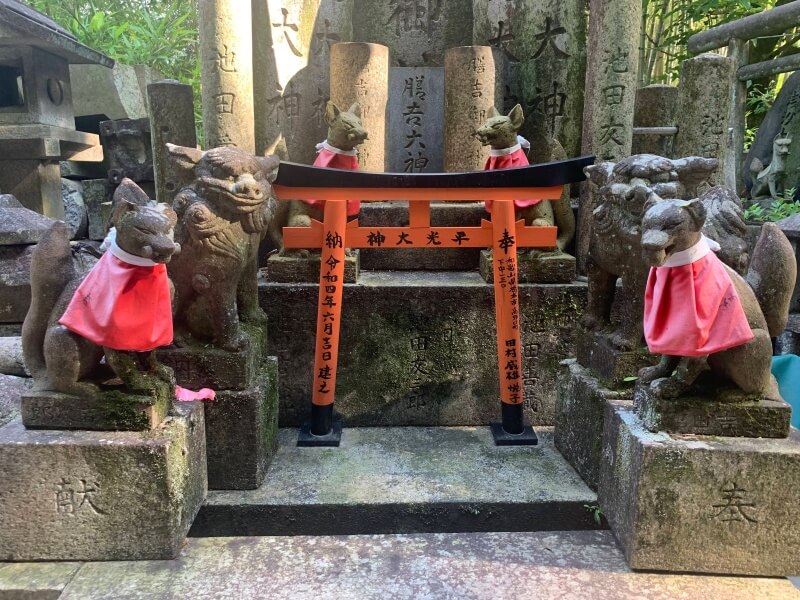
37 121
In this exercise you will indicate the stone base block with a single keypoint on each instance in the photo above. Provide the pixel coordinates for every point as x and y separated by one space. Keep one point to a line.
701 504
731 413
580 408
200 366
612 366
88 496
293 269
109 411
551 267
242 432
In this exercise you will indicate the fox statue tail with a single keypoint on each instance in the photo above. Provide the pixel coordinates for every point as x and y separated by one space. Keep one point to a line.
52 270
772 275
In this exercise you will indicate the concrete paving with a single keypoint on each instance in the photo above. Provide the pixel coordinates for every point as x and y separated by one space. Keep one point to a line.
406 480
574 565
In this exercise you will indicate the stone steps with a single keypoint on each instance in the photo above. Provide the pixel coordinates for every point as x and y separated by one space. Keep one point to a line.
405 480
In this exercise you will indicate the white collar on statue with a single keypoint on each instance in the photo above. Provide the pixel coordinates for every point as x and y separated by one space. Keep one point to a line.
129 258
326 146
693 253
504 151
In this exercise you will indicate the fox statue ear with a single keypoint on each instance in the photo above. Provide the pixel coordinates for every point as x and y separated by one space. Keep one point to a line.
184 159
696 210
517 116
355 110
123 207
331 112
493 113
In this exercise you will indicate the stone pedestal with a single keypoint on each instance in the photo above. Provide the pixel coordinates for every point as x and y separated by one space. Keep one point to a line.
242 421
550 267
91 496
656 106
612 366
706 90
473 85
580 410
226 59
293 269
700 504
362 75
171 106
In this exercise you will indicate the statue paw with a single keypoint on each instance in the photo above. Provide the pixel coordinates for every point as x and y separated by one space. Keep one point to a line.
233 343
165 373
81 388
620 341
650 374
255 317
666 387
591 323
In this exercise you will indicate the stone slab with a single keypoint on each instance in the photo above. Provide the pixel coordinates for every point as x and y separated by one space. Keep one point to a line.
295 269
405 480
580 412
75 214
579 565
242 430
699 503
78 171
20 225
535 268
35 581
419 348
730 414
118 93
612 366
69 495
15 283
97 193
109 411
35 183
11 390
12 361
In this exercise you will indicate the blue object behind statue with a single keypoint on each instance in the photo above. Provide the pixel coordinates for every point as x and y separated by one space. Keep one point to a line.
786 369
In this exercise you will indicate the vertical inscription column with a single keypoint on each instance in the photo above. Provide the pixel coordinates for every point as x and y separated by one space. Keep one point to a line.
226 54
704 102
362 75
470 91
611 79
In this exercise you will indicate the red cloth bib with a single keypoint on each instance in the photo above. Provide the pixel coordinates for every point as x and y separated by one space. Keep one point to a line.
516 158
693 309
121 305
336 160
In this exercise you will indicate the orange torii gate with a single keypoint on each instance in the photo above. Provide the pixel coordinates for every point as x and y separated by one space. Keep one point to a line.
502 234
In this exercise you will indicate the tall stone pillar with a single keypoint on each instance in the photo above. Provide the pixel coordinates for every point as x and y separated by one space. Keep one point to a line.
543 43
362 75
226 53
656 106
471 89
611 76
171 107
706 90
292 41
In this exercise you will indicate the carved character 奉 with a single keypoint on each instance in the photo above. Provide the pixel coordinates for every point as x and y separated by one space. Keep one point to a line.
223 214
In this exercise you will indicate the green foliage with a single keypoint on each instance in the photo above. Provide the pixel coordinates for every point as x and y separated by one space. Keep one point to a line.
778 210
597 514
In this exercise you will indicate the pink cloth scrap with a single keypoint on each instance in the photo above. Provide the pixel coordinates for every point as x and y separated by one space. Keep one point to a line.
184 395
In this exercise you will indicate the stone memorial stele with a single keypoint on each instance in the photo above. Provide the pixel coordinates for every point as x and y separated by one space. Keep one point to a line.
656 106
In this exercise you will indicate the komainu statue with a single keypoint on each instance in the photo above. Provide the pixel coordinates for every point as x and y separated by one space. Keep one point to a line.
121 308
224 212
769 182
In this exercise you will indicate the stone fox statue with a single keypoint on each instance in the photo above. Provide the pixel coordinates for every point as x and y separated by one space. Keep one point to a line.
121 307
702 315
500 133
769 182
338 151
223 214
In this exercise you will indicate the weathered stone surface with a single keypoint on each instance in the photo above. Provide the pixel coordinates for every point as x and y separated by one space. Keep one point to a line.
101 495
417 33
96 194
35 581
473 85
580 565
171 108
405 480
700 504
292 42
727 412
11 390
36 184
127 150
71 169
419 348
11 359
295 269
656 106
610 365
535 268
544 48
416 120
15 283
362 76
242 431
226 59
110 411
703 106
118 93
18 224
580 413
75 214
